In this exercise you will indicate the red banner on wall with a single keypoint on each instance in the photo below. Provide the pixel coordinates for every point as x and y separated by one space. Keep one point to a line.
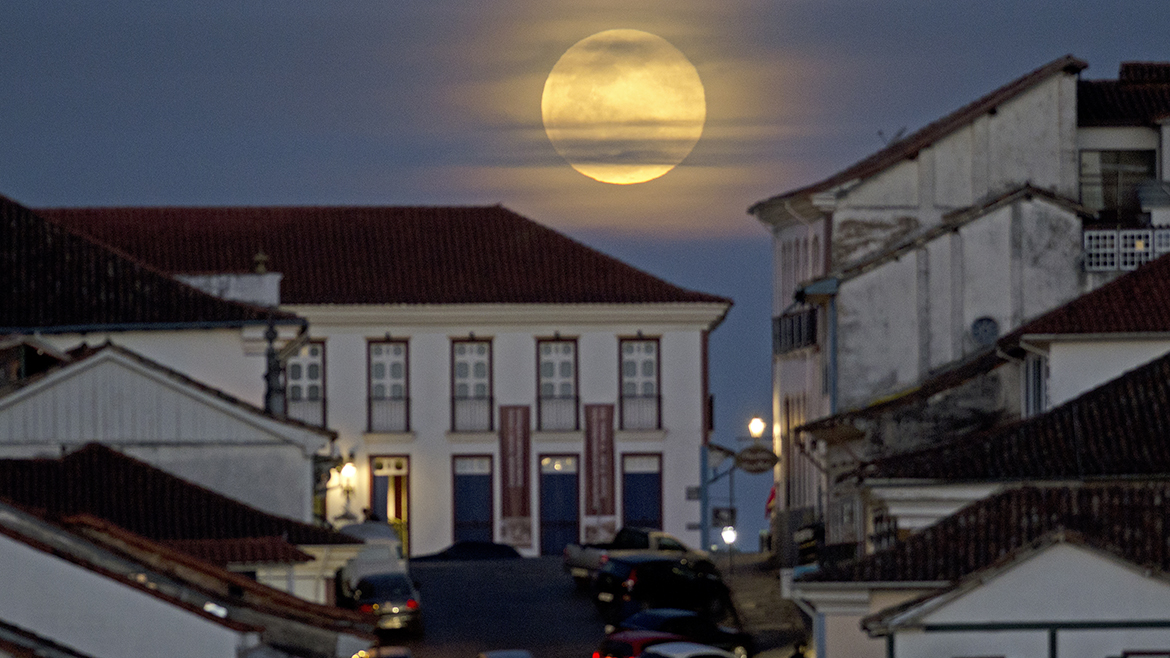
516 507
600 522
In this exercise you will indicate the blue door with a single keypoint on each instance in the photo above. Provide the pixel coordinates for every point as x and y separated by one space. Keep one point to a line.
473 498
558 503
642 491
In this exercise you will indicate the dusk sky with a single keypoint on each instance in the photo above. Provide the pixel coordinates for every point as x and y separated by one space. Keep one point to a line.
391 102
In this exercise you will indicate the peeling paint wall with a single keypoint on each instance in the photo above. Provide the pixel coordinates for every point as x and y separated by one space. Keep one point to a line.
914 314
1031 138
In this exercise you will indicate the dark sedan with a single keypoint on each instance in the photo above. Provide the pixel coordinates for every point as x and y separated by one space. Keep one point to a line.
626 585
394 598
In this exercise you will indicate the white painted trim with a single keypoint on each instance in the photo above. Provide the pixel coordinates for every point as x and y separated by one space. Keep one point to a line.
702 315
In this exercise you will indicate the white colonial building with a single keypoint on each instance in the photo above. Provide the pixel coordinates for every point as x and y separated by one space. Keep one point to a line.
918 258
488 378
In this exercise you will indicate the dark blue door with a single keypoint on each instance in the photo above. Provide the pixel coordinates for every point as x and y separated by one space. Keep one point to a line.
558 503
642 491
473 498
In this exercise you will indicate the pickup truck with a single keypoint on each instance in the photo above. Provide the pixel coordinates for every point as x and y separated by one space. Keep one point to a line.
583 560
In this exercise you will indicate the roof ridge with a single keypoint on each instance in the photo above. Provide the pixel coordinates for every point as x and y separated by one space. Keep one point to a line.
935 130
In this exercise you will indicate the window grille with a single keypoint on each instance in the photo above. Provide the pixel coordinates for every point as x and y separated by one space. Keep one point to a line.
557 390
1100 251
471 366
389 409
1135 247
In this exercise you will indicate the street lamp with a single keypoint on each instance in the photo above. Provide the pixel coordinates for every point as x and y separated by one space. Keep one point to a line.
346 483
748 460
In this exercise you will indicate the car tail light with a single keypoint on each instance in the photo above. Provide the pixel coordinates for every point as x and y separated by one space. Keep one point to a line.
367 607
604 558
631 581
411 604
596 654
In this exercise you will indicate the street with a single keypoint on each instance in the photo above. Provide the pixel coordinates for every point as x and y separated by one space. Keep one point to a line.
473 606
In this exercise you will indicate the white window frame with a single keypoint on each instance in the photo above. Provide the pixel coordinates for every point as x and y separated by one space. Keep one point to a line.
1034 385
640 384
388 385
471 385
305 384
557 385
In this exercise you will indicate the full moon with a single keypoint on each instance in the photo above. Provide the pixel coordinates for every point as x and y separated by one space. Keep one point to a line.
623 106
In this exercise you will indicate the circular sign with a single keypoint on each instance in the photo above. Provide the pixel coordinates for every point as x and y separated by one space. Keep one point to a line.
755 459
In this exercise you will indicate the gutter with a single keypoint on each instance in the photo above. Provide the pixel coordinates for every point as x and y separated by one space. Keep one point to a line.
150 326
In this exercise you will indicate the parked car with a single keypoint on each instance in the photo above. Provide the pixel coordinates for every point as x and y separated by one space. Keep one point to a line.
692 626
471 550
686 650
625 585
393 597
582 561
631 644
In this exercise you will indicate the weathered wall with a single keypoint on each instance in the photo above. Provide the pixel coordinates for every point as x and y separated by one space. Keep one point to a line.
913 314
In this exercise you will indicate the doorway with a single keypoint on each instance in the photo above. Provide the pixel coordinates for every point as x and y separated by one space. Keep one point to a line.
559 502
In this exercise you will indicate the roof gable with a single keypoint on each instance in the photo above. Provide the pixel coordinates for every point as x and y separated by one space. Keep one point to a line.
909 146
142 499
55 281
379 255
133 399
1057 578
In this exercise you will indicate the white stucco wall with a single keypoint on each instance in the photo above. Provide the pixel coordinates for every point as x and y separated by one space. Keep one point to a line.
115 400
1075 367
216 357
1063 584
97 616
913 313
431 445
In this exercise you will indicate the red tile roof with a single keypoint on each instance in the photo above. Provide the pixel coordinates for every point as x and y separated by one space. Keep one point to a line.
1139 97
1118 429
1128 520
910 145
144 500
379 255
53 280
250 550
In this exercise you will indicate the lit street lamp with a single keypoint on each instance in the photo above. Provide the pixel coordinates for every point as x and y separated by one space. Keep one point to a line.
749 461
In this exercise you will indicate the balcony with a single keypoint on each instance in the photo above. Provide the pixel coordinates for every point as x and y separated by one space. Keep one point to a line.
793 331
557 414
640 412
389 414
310 412
471 414
1109 250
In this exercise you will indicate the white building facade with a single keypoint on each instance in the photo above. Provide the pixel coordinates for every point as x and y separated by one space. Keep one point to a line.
488 379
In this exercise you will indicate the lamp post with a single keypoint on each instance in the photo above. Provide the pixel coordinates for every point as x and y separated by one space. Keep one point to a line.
745 459
346 477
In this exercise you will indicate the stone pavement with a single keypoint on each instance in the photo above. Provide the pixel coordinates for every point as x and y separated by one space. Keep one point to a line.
775 623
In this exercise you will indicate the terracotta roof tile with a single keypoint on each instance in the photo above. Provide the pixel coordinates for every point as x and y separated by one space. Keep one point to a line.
1128 520
1117 429
379 255
53 280
251 550
1140 96
144 500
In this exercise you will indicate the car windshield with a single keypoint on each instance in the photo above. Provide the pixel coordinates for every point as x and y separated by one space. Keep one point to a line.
385 586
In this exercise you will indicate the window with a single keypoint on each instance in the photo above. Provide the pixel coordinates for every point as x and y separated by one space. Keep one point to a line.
793 331
1110 181
389 408
471 386
1035 385
556 384
305 384
641 402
